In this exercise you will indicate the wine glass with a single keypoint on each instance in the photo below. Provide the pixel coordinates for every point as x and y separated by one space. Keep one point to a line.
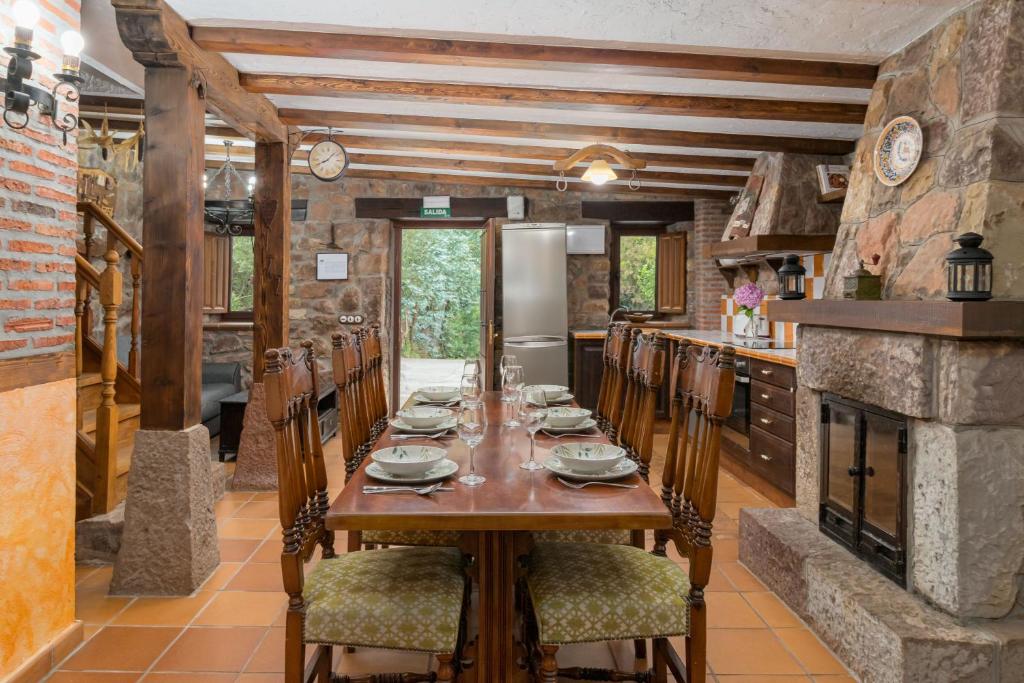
471 366
472 423
532 411
507 361
511 390
469 388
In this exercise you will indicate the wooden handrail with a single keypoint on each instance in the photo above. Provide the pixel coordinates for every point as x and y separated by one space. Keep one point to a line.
91 209
86 271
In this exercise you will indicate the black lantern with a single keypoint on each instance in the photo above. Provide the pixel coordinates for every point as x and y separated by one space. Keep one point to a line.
969 270
791 278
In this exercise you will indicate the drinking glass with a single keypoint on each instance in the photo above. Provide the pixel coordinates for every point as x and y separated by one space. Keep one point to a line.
471 366
472 423
532 411
507 361
469 388
511 390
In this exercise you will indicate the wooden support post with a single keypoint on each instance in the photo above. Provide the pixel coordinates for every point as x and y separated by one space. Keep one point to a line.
172 310
104 494
272 250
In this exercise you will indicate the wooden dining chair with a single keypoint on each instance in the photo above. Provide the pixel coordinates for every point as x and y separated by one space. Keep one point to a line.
586 592
344 362
412 599
625 338
611 344
643 379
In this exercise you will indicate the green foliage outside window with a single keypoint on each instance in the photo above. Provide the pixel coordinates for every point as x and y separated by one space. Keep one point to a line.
242 269
440 316
638 259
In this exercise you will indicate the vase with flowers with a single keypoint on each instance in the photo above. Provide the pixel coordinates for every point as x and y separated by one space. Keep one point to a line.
749 297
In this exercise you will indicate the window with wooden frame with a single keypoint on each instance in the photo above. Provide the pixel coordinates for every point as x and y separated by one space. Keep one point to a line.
648 269
228 274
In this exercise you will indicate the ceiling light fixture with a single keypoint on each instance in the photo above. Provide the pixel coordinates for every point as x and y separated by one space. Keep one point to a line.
599 171
20 92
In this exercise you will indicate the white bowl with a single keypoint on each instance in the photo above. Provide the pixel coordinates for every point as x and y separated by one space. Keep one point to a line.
424 416
436 393
408 461
551 391
588 458
566 417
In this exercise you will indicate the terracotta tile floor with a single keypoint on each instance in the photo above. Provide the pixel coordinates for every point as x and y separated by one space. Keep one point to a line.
232 628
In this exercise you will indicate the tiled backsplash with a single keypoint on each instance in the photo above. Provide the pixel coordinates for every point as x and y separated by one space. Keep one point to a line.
814 285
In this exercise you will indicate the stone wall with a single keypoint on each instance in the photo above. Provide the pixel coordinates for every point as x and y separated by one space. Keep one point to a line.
788 203
315 306
964 83
705 281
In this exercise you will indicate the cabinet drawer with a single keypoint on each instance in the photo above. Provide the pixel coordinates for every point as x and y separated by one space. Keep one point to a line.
774 459
773 373
776 398
773 422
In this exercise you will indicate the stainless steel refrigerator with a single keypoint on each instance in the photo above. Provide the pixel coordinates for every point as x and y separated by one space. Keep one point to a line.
535 307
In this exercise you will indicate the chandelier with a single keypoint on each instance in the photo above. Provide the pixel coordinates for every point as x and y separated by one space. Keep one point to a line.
599 171
227 215
21 93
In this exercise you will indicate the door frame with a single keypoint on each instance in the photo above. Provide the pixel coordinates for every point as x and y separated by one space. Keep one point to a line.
488 282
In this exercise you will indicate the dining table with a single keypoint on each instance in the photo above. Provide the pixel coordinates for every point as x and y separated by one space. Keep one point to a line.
496 520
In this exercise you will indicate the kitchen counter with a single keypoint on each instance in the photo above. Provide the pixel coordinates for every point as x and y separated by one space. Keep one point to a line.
707 337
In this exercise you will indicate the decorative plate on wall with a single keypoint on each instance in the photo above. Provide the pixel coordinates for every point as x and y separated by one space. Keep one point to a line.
898 150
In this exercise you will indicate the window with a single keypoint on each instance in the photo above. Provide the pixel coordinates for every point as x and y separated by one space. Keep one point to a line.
648 269
228 275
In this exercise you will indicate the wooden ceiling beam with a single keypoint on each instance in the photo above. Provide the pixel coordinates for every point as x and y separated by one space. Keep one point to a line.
451 164
158 37
557 98
448 179
563 131
526 56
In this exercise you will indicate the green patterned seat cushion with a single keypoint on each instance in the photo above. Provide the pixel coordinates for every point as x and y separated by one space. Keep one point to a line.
615 536
432 538
397 598
584 592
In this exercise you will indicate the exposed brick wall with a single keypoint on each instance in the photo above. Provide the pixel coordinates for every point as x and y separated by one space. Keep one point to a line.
710 218
37 210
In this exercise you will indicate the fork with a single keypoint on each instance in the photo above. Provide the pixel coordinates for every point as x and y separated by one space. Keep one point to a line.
422 490
585 484
562 436
438 435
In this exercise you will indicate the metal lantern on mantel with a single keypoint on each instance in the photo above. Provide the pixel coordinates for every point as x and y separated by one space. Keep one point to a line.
791 278
969 270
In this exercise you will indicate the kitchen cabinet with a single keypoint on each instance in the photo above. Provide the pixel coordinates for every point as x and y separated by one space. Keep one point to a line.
587 367
772 451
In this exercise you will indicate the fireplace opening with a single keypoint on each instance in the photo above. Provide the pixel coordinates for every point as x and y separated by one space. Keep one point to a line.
863 482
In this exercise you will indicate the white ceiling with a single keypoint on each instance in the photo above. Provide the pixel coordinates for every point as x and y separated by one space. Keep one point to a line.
842 30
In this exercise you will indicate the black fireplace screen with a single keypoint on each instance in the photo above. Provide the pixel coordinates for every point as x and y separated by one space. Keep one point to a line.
863 482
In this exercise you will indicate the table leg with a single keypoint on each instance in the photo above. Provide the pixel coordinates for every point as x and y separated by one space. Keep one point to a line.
497 570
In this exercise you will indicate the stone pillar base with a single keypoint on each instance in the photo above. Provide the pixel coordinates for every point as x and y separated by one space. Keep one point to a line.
169 546
256 464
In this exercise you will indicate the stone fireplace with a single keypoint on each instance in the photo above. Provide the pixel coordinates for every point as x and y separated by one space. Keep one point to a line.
958 612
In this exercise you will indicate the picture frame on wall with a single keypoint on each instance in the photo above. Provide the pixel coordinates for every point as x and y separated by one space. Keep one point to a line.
331 265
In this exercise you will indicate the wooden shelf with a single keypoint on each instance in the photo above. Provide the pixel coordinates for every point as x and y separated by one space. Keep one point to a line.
959 320
757 246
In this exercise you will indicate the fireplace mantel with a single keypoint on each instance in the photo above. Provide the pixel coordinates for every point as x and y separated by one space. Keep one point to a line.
958 320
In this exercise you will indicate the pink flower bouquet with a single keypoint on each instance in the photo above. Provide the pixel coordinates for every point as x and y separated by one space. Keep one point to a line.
749 297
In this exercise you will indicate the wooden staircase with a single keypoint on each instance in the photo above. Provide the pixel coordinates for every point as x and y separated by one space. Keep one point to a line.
108 403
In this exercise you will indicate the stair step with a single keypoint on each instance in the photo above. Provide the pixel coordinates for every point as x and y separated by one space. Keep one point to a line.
87 379
125 412
124 459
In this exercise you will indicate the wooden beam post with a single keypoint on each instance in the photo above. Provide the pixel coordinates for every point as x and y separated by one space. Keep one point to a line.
272 251
172 282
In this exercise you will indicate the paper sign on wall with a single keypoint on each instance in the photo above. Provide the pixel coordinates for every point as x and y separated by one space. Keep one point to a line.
436 207
331 266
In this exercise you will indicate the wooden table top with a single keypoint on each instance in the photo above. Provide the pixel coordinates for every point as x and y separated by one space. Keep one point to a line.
511 499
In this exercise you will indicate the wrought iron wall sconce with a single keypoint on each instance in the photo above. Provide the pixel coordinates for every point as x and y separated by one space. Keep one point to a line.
21 93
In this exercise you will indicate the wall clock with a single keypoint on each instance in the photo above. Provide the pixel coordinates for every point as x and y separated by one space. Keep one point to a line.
898 150
328 160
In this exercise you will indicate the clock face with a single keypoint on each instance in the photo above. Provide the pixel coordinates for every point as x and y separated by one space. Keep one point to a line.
328 160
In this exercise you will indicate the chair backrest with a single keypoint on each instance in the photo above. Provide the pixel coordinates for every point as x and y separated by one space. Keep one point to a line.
292 391
704 378
624 340
608 353
644 379
380 401
344 363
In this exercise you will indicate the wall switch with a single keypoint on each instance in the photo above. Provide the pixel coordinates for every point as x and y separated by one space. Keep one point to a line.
350 319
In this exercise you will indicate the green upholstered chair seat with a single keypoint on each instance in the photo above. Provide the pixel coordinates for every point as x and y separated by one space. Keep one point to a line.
586 592
428 538
397 598
615 536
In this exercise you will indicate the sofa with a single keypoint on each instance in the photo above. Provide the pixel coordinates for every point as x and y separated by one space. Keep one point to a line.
220 380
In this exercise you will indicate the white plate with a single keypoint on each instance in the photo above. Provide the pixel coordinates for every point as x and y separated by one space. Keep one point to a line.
584 426
401 426
442 470
561 400
423 400
624 468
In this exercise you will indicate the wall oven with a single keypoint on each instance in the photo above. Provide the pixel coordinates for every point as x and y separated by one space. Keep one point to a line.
739 420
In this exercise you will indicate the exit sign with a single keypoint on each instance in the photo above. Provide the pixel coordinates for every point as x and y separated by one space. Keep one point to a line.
436 207
436 212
